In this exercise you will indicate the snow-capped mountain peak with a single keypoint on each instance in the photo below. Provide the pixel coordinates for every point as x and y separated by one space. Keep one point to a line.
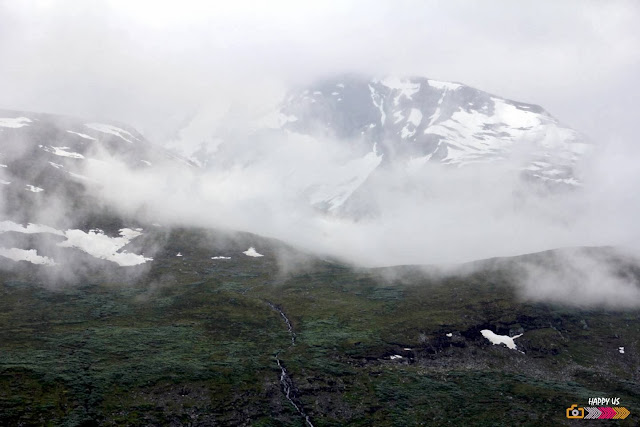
415 120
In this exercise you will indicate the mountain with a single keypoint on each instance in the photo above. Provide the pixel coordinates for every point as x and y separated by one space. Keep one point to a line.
107 318
41 151
407 123
50 213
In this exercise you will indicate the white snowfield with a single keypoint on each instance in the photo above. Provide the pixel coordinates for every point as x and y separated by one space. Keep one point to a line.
56 165
113 130
401 87
33 188
61 151
500 339
413 121
468 139
94 243
398 117
436 115
28 229
252 252
221 257
379 104
82 135
30 255
17 122
444 85
99 245
415 117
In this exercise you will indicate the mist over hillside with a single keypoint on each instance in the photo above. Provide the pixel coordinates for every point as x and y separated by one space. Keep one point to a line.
319 213
489 96
322 193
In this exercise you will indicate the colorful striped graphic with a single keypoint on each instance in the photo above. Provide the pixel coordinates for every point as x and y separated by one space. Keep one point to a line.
593 413
621 413
607 413
598 413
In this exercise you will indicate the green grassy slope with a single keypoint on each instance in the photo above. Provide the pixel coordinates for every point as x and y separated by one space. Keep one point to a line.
194 341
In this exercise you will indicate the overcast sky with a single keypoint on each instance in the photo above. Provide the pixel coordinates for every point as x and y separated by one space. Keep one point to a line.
153 64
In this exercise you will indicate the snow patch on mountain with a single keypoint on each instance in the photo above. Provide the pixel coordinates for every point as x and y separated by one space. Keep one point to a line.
61 151
401 88
379 103
113 130
28 229
443 85
82 135
496 339
33 188
413 121
252 252
17 122
29 255
471 134
99 245
95 242
56 165
415 117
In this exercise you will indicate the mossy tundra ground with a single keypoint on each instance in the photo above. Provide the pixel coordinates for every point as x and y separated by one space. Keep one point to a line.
194 341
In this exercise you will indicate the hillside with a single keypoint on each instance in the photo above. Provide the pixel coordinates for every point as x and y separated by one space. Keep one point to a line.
247 340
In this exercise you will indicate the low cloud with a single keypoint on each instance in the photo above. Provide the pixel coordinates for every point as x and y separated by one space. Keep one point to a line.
582 277
437 214
183 74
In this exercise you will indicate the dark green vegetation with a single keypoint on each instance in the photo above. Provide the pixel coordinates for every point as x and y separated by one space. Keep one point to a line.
193 341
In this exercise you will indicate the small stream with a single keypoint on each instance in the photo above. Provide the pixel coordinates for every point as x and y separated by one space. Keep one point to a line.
286 320
288 388
289 391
